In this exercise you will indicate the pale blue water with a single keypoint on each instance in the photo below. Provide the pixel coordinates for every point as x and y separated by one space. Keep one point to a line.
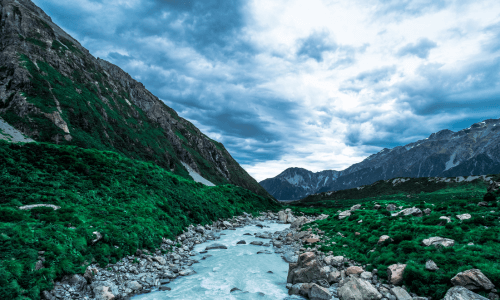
237 266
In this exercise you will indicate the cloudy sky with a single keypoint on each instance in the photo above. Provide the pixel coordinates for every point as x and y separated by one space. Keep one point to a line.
318 84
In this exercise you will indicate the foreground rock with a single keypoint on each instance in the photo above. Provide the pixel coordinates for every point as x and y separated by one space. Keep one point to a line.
461 293
472 279
395 273
354 288
306 270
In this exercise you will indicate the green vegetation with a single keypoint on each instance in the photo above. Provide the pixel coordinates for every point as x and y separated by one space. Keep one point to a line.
408 232
133 205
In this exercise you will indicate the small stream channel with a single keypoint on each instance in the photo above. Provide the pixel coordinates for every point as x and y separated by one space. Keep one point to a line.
257 276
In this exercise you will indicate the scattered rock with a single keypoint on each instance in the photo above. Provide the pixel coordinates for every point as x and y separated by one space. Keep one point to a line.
431 266
317 292
413 211
354 288
165 288
427 211
391 207
461 293
383 239
464 217
344 214
395 273
354 270
257 243
436 240
472 279
366 275
307 269
241 242
216 246
448 219
264 252
400 293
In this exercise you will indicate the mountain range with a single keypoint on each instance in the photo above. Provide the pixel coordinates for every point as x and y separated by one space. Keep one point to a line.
53 90
471 151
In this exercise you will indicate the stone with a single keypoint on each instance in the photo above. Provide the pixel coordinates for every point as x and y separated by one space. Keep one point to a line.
312 240
464 217
461 293
187 272
98 236
383 239
134 285
257 243
391 207
354 270
282 216
436 240
301 289
355 288
431 266
472 279
77 281
216 246
160 259
400 293
355 207
448 219
334 276
241 242
427 211
413 211
376 206
344 214
264 252
307 269
227 224
366 275
395 273
103 293
165 288
298 222
317 292
482 204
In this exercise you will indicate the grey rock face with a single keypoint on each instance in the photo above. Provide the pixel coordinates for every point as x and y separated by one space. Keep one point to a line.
461 293
443 154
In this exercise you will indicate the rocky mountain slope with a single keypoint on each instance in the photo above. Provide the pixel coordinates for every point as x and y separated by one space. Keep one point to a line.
297 183
53 90
471 151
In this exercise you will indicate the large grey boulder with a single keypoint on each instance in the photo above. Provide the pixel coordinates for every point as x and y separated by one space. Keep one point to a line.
307 269
354 288
472 279
461 293
400 293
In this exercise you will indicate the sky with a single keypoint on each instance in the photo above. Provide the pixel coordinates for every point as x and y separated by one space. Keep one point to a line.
316 84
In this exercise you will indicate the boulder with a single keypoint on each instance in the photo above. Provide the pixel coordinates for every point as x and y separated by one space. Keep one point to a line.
391 207
257 243
461 293
301 289
241 242
355 207
354 270
413 211
472 279
317 292
383 239
216 246
160 259
366 275
298 222
427 211
334 276
335 261
307 269
344 214
431 266
282 216
134 285
448 219
464 217
355 288
400 293
103 293
395 273
436 240
376 206
227 224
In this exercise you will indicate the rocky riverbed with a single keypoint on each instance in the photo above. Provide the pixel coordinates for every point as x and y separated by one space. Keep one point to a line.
311 273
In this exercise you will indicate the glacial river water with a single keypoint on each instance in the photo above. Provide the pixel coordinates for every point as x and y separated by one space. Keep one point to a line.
238 266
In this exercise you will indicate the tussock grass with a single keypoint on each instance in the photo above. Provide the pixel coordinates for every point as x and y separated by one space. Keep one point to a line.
408 232
133 205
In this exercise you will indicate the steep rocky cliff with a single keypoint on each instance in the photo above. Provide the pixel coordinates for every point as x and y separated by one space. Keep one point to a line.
53 90
471 151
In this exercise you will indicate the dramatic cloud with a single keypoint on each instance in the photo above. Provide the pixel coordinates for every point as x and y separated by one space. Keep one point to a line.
420 49
318 84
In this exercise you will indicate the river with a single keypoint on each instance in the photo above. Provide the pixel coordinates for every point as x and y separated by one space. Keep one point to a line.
257 276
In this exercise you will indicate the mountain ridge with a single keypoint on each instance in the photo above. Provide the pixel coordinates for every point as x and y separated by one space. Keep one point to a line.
471 151
53 90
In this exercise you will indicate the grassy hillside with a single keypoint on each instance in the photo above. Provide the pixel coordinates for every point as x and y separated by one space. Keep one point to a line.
413 189
133 205
482 229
